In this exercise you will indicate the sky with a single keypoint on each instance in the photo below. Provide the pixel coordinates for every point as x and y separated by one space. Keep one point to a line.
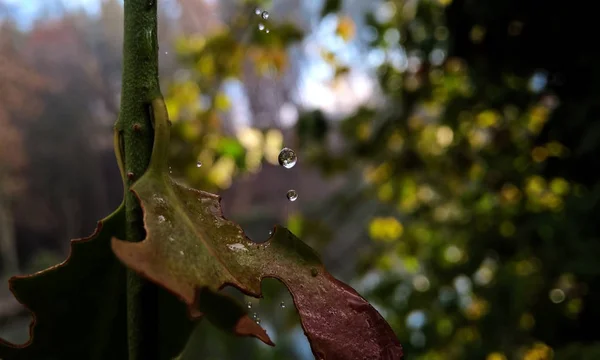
25 11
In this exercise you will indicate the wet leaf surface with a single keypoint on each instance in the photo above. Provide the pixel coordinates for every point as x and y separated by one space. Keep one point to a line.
191 249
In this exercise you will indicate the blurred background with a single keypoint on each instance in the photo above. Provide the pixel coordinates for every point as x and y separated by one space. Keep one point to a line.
448 155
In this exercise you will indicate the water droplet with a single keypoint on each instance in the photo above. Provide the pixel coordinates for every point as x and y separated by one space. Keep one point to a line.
257 11
161 219
255 316
181 252
166 53
282 305
199 163
270 232
261 26
287 158
249 305
258 320
267 31
171 238
292 195
265 15
170 171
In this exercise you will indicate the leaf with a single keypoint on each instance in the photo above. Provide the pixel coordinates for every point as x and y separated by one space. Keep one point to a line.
78 306
190 248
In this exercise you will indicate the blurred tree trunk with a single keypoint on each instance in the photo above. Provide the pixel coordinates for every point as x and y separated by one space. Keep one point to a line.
8 248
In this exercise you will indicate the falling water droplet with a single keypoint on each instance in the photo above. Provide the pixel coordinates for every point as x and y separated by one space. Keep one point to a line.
292 195
267 31
199 163
287 158
265 15
261 26
282 305
249 305
257 11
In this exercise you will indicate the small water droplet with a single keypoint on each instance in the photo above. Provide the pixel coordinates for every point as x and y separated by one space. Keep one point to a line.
181 252
270 232
166 53
161 219
287 158
249 305
199 163
292 195
257 11
267 31
258 320
255 316
261 26
282 305
170 171
171 238
265 15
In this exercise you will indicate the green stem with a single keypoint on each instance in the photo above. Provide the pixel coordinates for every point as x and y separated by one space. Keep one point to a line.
135 138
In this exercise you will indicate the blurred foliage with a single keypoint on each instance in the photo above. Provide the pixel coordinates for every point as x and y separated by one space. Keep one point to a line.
482 244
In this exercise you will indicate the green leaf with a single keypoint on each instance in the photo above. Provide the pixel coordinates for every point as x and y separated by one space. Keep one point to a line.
193 251
79 305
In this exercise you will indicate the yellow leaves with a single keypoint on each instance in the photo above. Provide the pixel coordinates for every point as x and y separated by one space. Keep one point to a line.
222 102
477 34
385 229
444 136
539 351
221 172
267 59
539 154
259 145
206 65
183 99
346 28
378 175
510 194
488 118
527 321
559 186
495 356
385 192
476 309
544 195
395 142
364 131
537 117
273 144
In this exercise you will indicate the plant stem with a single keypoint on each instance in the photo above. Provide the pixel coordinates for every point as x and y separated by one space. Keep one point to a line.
135 134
